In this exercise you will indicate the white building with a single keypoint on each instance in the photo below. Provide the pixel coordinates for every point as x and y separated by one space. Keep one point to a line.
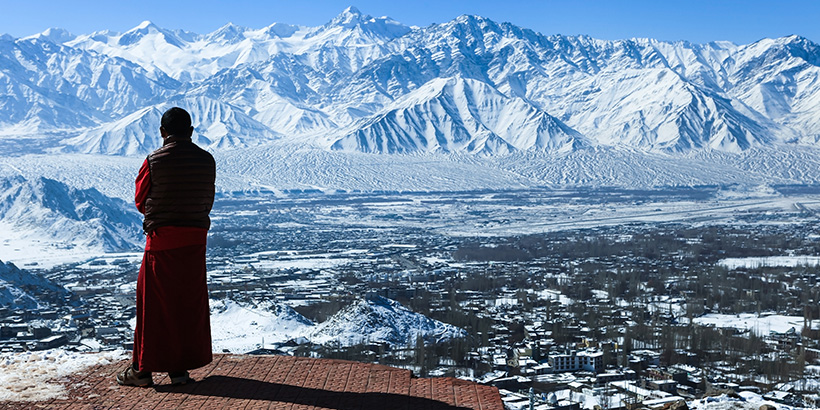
589 360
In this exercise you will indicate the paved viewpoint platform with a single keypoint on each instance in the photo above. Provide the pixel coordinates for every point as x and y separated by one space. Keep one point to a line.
275 382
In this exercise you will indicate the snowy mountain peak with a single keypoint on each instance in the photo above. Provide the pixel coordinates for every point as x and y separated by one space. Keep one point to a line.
146 24
217 125
474 19
229 33
149 29
350 17
796 38
461 115
371 84
280 30
383 28
54 35
789 46
803 48
351 11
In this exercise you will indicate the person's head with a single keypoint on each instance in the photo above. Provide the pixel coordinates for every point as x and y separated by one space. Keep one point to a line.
177 122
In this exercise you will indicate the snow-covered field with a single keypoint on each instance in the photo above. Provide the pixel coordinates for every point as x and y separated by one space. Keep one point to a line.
747 401
770 261
284 166
761 325
34 376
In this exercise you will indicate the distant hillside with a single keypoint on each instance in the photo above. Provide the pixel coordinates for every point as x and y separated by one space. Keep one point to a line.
381 320
48 211
20 289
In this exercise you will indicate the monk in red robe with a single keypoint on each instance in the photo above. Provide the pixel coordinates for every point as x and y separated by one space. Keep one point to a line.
175 192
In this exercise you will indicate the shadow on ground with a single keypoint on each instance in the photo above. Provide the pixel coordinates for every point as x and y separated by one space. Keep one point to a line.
248 389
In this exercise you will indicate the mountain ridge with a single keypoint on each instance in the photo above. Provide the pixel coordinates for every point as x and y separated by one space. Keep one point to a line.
334 86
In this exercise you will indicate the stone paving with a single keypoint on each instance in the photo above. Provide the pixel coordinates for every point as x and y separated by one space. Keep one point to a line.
275 382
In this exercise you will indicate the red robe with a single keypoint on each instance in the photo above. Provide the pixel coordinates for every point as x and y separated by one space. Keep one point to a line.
173 330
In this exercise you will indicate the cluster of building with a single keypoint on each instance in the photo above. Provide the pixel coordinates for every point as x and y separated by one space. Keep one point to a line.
543 329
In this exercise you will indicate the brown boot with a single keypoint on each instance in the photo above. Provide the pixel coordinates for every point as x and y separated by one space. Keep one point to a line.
132 377
180 378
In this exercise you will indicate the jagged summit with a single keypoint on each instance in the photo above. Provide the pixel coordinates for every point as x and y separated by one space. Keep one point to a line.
461 115
148 29
145 24
280 30
352 17
55 35
351 13
229 33
218 126
354 28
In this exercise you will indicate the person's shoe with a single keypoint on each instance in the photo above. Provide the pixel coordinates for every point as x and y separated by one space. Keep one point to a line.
131 377
180 378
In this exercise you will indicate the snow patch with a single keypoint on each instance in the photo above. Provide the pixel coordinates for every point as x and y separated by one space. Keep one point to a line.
36 376
745 401
761 324
770 261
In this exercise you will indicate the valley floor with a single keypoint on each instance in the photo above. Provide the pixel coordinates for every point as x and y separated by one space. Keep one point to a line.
529 274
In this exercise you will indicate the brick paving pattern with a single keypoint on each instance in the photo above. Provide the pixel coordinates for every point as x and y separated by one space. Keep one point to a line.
274 382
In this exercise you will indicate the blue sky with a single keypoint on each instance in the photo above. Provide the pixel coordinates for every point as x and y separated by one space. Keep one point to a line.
698 21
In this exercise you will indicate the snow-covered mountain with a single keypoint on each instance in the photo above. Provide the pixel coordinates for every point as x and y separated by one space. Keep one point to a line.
460 115
351 38
241 326
379 319
219 125
46 210
20 289
371 84
53 87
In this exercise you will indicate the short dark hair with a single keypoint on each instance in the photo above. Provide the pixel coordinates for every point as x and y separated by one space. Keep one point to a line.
176 121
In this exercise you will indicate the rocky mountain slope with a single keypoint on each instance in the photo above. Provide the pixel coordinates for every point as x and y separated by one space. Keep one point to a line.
20 289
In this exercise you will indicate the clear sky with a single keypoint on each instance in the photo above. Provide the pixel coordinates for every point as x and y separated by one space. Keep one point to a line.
697 21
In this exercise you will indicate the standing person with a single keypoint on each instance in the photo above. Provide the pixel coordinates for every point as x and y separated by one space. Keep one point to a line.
175 192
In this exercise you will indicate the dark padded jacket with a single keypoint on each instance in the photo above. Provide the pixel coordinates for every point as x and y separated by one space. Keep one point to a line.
182 185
